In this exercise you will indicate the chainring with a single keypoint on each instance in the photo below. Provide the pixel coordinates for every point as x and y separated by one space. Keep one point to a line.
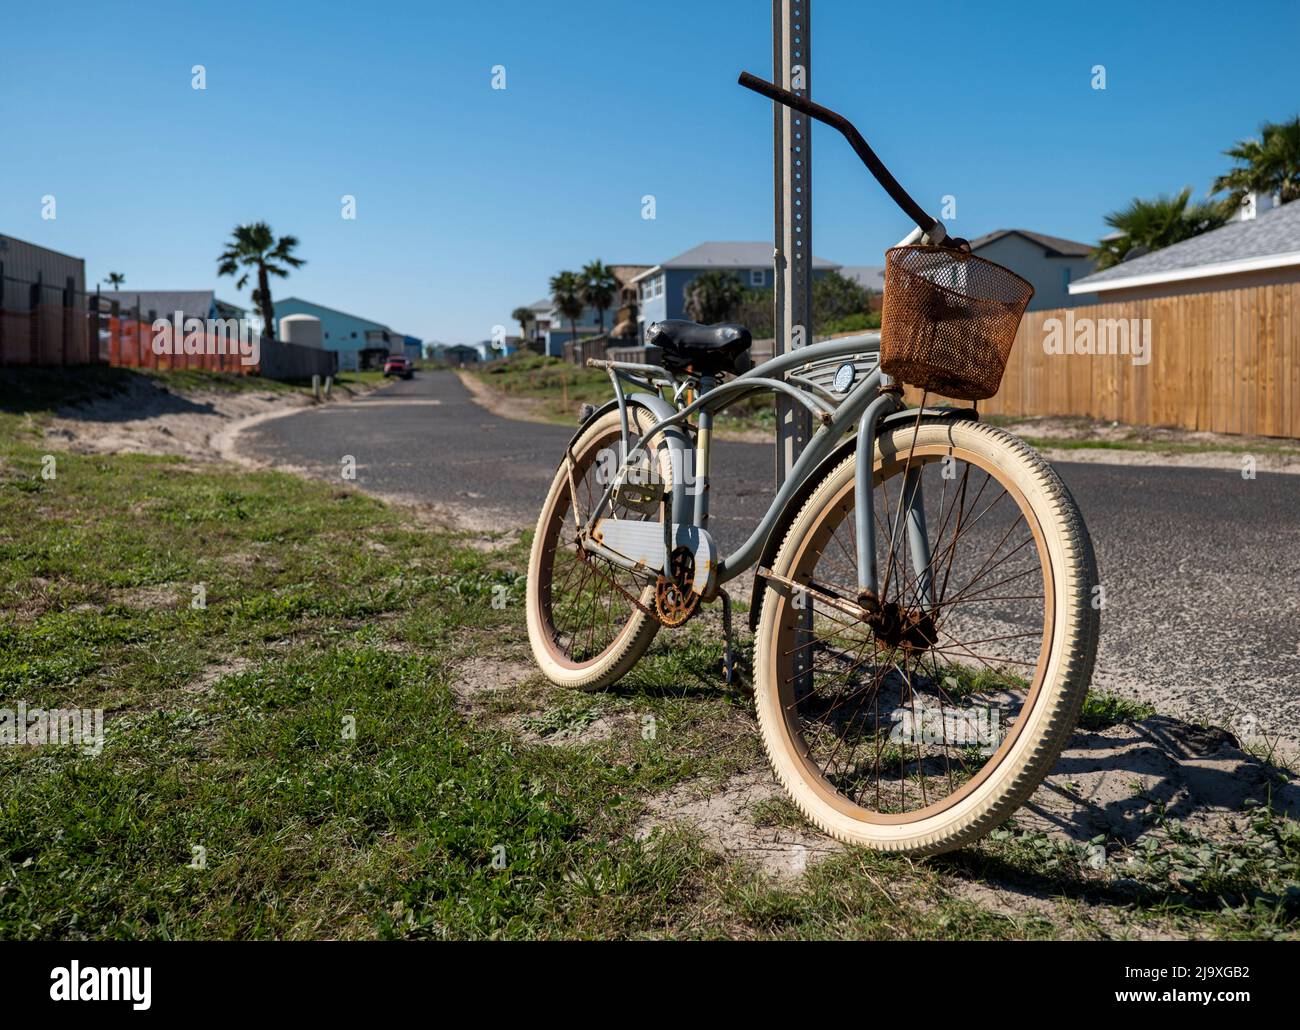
674 604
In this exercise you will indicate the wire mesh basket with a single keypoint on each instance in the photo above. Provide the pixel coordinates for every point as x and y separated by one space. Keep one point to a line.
949 320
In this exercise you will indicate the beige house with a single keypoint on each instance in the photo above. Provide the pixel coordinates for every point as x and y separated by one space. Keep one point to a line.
1259 248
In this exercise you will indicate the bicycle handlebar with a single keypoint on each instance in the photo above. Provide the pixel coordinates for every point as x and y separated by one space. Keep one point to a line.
900 196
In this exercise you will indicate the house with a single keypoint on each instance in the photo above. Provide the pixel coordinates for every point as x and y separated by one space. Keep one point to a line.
1261 247
869 277
39 287
360 342
1049 263
151 304
662 288
539 321
620 315
412 347
458 354
507 345
59 278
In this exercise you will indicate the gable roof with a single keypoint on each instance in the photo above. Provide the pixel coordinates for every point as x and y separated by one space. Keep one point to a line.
336 311
1270 241
715 254
1056 246
192 303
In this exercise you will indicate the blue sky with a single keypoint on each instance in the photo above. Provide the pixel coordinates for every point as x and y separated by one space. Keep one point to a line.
469 198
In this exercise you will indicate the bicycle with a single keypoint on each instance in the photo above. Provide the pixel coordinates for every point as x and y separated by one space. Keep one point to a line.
918 666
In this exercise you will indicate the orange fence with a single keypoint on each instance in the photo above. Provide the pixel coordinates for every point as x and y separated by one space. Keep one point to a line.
129 345
1226 361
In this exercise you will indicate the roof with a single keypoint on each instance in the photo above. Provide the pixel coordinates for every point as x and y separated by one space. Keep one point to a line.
626 273
727 255
1271 240
1055 246
194 303
870 276
544 305
325 307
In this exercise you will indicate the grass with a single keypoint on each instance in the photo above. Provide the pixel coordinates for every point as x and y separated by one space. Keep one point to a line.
295 757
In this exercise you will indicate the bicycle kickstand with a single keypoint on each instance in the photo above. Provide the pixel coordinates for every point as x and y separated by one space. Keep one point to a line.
729 651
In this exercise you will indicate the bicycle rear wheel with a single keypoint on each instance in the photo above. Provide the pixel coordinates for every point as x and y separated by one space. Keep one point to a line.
588 619
923 728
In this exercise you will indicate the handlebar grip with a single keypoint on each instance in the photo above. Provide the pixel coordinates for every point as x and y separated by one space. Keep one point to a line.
900 196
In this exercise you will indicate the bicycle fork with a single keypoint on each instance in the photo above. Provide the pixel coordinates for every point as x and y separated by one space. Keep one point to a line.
912 508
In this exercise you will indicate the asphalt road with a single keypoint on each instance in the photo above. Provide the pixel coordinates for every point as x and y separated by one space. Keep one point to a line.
1201 568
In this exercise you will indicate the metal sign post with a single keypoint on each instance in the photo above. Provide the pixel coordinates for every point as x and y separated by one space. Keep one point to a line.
792 287
792 153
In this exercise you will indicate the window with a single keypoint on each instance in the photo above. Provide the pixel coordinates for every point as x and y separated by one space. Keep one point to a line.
757 277
659 286
1065 279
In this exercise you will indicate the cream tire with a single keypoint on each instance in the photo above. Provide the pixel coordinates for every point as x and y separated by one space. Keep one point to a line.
1062 684
639 631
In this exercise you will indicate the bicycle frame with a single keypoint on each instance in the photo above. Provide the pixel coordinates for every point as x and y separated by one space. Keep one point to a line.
864 406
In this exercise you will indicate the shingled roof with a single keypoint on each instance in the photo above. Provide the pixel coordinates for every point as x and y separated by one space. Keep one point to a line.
1054 245
1270 241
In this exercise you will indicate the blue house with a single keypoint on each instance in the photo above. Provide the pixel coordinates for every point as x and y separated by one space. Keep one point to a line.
556 331
360 342
661 290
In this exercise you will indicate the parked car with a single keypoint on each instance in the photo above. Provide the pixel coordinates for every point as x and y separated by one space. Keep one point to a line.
396 365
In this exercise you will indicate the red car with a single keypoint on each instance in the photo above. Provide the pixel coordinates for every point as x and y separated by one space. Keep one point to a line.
396 365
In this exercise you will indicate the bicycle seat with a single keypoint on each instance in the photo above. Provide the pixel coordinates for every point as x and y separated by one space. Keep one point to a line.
702 349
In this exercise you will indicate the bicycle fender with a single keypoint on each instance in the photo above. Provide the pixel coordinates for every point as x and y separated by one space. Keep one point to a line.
674 438
813 480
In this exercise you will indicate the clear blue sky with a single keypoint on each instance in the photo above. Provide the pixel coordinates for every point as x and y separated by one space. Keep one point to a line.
469 198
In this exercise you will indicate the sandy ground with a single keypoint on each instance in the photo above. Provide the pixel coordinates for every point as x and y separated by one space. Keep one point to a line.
1128 782
1160 445
148 419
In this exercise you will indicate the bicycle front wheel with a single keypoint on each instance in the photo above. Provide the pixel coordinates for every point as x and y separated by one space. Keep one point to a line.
925 726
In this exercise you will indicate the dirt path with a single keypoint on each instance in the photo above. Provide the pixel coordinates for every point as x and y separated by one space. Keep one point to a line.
148 418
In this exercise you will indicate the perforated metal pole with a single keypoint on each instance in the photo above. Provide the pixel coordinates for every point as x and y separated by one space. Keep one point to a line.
792 153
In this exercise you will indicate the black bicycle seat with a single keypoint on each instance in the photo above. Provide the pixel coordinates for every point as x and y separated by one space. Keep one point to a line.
701 349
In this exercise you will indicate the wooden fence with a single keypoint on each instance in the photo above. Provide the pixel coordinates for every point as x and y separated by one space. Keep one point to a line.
1226 361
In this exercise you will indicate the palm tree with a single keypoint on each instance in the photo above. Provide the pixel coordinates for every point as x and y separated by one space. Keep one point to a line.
523 316
566 292
714 296
1270 164
1147 225
255 246
115 280
599 288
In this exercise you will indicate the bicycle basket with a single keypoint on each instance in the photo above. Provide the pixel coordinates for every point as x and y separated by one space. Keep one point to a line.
949 320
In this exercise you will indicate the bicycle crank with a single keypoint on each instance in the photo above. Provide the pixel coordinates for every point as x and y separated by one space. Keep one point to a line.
674 602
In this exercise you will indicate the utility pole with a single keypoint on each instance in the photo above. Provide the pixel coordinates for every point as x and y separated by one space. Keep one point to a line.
792 285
